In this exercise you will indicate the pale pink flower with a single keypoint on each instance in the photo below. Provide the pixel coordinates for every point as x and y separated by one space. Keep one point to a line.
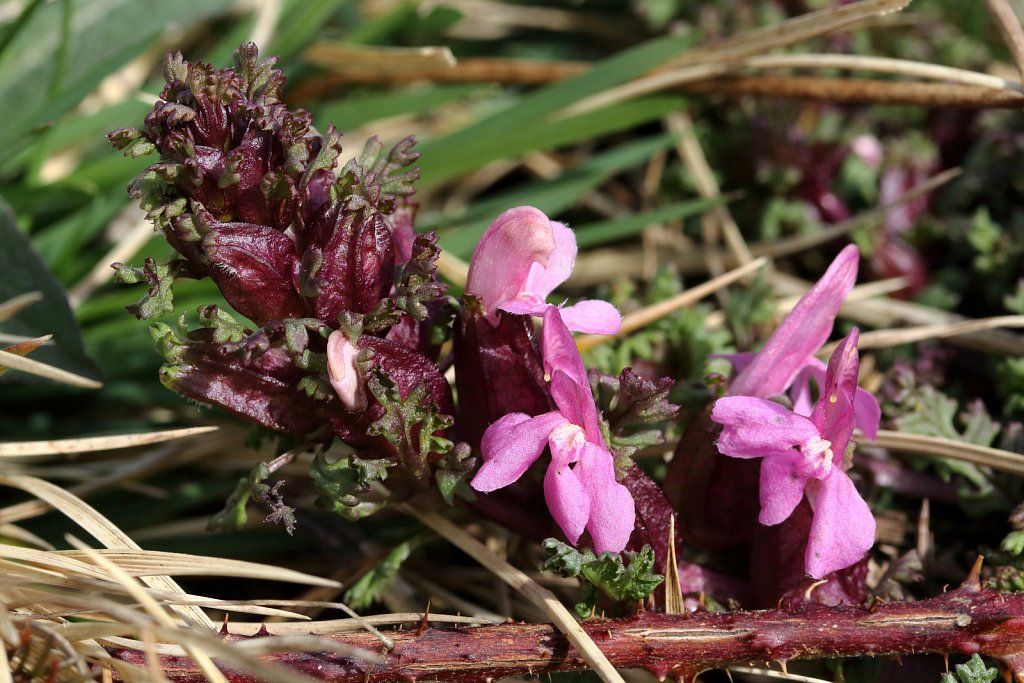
805 456
580 486
343 371
521 258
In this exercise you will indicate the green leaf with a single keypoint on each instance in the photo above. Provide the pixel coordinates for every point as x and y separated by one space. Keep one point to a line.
632 582
523 127
359 109
21 271
453 157
605 573
234 515
620 228
452 470
346 484
419 285
973 671
63 50
410 425
551 197
376 582
159 298
565 560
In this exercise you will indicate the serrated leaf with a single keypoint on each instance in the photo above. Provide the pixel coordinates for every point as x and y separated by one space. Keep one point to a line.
972 671
452 471
252 486
419 284
565 560
605 573
158 300
410 425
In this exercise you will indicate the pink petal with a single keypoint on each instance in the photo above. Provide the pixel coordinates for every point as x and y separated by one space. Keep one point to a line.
524 305
576 403
834 411
612 511
510 445
343 372
564 492
559 348
800 392
543 278
867 412
781 488
593 316
800 333
843 528
755 427
505 255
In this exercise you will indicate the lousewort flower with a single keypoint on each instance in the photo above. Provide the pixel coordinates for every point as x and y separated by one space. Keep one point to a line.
521 259
805 456
580 486
518 262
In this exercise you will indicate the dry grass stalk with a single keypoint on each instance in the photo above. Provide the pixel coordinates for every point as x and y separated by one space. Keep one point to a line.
52 450
718 222
380 61
674 603
123 250
725 55
452 268
938 447
645 316
1010 28
103 530
34 367
859 91
880 339
200 657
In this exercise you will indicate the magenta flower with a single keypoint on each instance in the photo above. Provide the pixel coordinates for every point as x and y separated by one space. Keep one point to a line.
521 258
580 486
787 361
805 456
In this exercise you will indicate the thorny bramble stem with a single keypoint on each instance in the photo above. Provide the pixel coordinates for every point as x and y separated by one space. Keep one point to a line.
967 620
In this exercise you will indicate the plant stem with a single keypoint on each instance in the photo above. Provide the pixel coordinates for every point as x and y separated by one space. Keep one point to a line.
963 621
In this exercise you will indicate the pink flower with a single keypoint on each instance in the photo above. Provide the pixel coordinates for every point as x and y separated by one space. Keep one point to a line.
787 361
521 259
343 371
805 456
580 486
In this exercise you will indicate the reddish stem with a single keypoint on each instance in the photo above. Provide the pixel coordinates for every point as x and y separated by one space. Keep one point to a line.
967 620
